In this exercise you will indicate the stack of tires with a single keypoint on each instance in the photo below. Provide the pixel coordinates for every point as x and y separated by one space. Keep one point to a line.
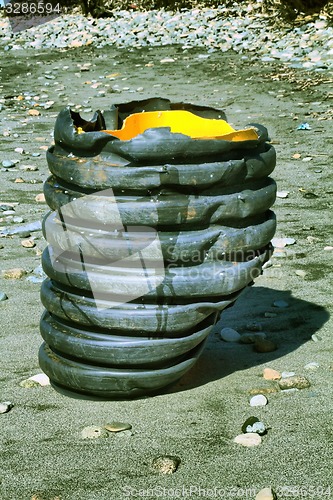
149 240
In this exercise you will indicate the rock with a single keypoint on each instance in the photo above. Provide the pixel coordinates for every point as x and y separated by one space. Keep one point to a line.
312 366
3 297
257 427
41 379
117 427
283 242
316 338
229 335
251 338
28 384
40 198
266 494
287 374
28 243
270 374
33 112
249 421
29 168
269 314
19 150
281 304
8 164
15 273
294 382
258 400
18 219
254 327
94 432
6 406
300 273
328 248
167 60
282 194
264 345
166 464
250 439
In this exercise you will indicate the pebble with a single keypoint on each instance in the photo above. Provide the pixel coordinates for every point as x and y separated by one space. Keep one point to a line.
40 379
287 374
257 427
269 314
117 427
281 304
313 365
229 335
29 168
316 338
254 327
328 248
18 219
167 60
264 345
259 400
251 338
294 382
19 150
15 273
3 297
166 464
283 242
270 374
266 494
300 273
40 198
8 164
249 439
306 45
6 406
282 194
94 432
28 243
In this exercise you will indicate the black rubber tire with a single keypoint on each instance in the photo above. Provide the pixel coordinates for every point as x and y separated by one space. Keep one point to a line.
210 279
110 348
109 382
135 318
111 171
188 247
170 209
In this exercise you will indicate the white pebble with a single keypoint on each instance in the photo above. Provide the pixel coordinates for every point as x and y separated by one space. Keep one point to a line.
312 366
258 400
229 335
249 439
282 194
287 374
266 494
41 379
6 406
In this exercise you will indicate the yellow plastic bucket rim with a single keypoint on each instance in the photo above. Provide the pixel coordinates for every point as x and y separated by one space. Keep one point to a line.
181 122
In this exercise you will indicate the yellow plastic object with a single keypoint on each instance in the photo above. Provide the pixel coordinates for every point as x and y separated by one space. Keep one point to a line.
182 122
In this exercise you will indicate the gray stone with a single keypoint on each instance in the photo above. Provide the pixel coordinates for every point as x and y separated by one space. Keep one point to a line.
94 432
3 296
8 164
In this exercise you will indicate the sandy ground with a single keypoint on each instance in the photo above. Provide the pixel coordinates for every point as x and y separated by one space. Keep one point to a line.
42 454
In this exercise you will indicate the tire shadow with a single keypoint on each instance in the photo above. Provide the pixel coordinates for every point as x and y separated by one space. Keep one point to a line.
289 329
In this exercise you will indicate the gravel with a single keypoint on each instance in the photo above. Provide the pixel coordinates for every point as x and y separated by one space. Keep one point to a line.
245 30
